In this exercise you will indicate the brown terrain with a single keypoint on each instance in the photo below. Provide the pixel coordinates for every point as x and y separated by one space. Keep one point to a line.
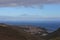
12 32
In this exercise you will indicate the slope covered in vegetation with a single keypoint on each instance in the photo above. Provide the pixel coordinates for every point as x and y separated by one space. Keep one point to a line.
13 32
54 35
8 32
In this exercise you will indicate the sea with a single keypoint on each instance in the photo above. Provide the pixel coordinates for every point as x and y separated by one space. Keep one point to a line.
49 25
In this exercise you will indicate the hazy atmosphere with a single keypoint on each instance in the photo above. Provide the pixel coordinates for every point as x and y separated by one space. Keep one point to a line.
30 9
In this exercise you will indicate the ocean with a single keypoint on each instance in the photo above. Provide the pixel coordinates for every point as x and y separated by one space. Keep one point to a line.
49 25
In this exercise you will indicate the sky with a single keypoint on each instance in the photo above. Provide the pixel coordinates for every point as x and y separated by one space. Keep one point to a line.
29 10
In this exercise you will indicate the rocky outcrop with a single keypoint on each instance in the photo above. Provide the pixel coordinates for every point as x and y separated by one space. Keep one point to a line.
36 31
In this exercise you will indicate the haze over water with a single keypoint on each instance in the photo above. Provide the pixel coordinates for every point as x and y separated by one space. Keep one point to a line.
46 12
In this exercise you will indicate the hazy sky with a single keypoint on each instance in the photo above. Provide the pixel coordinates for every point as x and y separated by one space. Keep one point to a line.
28 12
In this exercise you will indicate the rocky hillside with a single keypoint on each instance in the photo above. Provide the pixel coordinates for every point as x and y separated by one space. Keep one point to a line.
12 32
54 35
25 32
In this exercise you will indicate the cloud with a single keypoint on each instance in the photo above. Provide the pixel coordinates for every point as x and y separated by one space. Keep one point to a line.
31 18
26 3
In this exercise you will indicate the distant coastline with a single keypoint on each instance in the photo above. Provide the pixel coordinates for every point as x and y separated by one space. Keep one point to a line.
51 26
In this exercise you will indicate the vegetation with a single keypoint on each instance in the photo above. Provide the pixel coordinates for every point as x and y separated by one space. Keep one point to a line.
9 32
55 35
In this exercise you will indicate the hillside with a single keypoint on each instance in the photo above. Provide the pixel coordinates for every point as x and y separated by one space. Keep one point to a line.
25 32
54 35
12 32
